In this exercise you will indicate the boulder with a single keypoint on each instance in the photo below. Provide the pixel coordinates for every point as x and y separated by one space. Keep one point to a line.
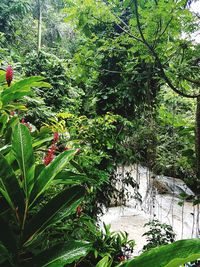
169 185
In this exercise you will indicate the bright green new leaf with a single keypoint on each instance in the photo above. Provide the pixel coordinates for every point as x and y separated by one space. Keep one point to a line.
49 173
39 142
23 151
22 88
172 255
2 76
105 262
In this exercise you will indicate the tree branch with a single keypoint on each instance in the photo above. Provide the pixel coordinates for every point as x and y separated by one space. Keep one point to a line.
157 59
197 82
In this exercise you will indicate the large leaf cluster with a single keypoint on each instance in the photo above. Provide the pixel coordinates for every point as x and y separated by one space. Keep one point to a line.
21 189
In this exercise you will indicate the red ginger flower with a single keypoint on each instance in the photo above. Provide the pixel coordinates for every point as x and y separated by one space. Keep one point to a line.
55 137
48 159
9 75
51 151
50 155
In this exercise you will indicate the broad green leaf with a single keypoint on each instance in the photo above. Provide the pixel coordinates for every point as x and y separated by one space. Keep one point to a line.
10 157
6 195
62 254
4 253
15 106
49 172
69 177
23 151
105 262
172 255
9 129
3 120
2 72
2 77
23 83
22 88
60 206
39 142
14 96
9 186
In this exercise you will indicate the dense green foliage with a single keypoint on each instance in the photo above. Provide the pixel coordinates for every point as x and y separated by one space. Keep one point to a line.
97 85
158 234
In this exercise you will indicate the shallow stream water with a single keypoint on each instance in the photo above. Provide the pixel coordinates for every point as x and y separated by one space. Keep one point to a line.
164 207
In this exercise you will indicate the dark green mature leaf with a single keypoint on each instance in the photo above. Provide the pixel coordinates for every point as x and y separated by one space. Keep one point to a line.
6 236
14 96
172 255
9 186
23 151
62 254
49 173
60 206
69 177
4 207
4 255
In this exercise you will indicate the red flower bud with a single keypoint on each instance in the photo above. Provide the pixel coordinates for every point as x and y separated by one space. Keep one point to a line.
55 137
27 124
9 75
78 211
121 258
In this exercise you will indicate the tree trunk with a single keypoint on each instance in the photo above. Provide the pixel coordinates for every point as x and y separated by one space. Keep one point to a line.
39 26
197 142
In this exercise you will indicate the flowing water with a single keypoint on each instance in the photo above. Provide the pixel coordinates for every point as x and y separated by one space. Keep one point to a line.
159 199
